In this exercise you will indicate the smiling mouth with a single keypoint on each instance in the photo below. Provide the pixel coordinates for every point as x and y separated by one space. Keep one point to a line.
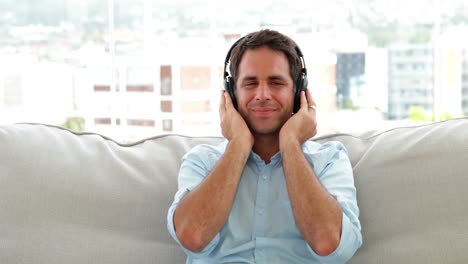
263 112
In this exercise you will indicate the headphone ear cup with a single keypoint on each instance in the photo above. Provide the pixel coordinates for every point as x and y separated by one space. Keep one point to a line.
301 85
305 83
229 86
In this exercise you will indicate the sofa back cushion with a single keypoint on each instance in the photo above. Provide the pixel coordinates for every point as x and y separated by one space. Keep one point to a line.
411 186
83 198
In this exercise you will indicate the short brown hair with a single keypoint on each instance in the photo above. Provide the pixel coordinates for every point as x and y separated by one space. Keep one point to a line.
275 41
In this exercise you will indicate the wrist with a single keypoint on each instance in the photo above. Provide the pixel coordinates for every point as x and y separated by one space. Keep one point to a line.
288 141
241 144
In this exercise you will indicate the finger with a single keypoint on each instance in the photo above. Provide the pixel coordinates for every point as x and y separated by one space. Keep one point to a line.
304 104
222 107
228 101
310 99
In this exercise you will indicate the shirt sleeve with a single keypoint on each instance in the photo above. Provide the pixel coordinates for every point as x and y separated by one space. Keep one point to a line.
192 172
333 167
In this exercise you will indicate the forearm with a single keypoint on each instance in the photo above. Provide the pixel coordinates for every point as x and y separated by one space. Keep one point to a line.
318 215
203 212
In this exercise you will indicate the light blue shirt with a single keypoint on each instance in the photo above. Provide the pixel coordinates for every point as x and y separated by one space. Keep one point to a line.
261 226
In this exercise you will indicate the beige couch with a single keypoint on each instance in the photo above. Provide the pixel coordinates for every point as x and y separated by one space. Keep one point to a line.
83 198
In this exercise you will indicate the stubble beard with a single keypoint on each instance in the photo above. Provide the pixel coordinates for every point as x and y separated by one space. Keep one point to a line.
256 128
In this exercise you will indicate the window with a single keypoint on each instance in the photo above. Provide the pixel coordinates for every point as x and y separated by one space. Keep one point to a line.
102 121
167 125
140 79
101 88
196 106
166 80
101 60
166 106
195 78
12 89
139 88
141 122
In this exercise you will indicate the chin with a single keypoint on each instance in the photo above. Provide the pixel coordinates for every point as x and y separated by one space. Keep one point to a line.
265 126
265 130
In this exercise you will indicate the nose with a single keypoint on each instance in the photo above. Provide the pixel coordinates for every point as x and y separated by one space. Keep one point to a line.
263 92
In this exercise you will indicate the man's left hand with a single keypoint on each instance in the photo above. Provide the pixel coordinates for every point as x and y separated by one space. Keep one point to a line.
303 124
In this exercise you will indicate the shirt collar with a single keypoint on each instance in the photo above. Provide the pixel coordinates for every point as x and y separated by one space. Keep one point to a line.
254 157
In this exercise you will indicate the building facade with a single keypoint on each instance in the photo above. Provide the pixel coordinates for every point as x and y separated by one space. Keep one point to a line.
410 79
350 70
465 81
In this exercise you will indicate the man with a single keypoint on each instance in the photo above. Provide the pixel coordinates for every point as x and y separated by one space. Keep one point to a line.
267 194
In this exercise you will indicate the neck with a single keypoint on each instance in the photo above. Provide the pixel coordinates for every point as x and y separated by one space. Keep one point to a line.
266 146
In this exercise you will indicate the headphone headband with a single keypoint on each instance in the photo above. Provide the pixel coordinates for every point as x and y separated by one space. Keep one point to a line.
301 81
228 56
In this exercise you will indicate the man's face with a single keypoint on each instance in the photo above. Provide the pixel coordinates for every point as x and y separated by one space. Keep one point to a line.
265 93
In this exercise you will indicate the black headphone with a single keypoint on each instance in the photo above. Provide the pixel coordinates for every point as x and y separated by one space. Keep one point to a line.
301 82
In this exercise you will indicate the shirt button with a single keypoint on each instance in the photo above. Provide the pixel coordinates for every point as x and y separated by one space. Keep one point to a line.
260 211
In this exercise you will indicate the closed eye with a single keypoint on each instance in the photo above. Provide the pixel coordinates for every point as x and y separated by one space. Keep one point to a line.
277 81
249 82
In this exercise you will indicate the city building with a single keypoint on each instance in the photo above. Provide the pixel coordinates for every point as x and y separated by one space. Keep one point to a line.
410 79
465 82
428 77
172 93
176 92
350 72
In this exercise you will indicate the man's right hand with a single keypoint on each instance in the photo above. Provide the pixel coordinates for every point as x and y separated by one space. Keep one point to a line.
203 212
233 126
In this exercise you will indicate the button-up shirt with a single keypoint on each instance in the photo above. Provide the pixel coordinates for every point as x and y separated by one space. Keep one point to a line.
261 226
